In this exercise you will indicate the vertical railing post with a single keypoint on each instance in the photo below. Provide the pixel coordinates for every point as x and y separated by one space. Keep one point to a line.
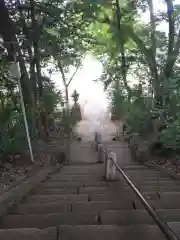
105 162
111 168
100 154
98 140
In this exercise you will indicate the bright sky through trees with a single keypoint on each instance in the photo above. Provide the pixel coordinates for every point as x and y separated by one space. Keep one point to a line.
92 95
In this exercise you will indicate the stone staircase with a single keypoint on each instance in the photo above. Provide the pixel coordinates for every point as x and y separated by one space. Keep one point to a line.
76 203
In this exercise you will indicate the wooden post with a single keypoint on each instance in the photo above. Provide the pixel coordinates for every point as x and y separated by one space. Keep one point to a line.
111 168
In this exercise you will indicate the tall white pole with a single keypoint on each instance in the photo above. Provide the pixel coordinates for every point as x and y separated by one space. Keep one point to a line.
15 72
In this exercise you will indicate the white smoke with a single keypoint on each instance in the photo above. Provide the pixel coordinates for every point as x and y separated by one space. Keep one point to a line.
96 122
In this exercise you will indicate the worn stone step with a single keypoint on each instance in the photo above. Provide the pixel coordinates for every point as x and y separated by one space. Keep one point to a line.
154 184
54 198
100 204
145 173
100 232
168 203
134 166
113 217
73 184
77 190
162 195
67 178
80 170
169 215
115 196
138 177
107 232
60 207
48 220
90 174
148 188
52 207
100 181
80 173
125 217
129 217
142 169
28 234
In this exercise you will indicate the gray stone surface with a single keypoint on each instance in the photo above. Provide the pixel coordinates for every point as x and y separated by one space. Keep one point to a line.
84 206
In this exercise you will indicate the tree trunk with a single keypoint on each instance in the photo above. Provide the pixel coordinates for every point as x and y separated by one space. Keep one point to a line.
122 50
68 126
36 49
8 33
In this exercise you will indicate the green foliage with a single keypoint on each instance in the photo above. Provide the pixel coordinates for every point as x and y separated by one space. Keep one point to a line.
12 133
52 97
170 137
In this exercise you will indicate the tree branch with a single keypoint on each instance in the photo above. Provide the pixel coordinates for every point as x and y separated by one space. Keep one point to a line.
77 68
122 49
170 10
153 27
62 73
172 57
140 44
153 39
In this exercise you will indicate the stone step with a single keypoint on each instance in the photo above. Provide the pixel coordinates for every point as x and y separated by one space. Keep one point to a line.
54 198
134 166
121 186
40 198
60 207
154 184
106 232
130 217
52 207
89 174
125 204
162 195
113 217
81 170
28 234
153 198
145 173
147 178
66 178
99 204
73 184
101 189
85 176
100 232
48 220
157 188
78 190
100 181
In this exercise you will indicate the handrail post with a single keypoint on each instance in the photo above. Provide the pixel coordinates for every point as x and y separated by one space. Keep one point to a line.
98 140
110 167
100 154
105 162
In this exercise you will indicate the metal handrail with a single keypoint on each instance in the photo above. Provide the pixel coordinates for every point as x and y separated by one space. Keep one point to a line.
164 227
